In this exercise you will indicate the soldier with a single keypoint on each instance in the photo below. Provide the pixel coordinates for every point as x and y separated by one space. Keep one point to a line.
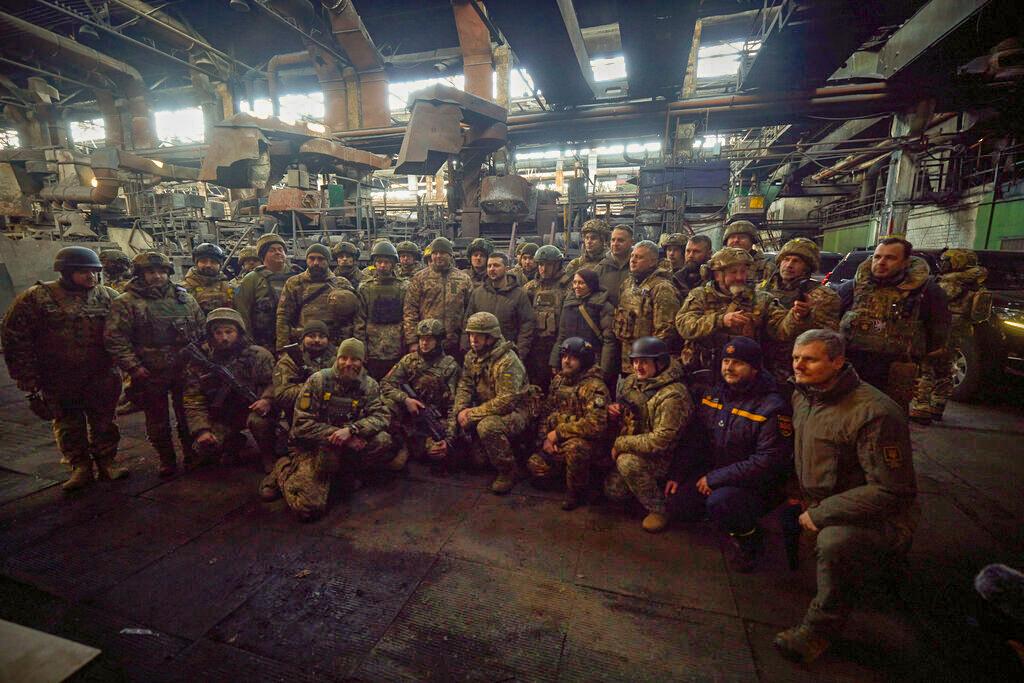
962 280
205 282
574 422
440 292
258 295
408 259
379 320
856 471
743 235
735 477
546 292
613 270
347 254
894 315
796 261
653 410
53 345
729 307
316 294
340 425
526 264
247 262
675 250
493 402
502 296
586 313
595 234
647 304
216 414
433 375
693 253
117 269
478 251
148 327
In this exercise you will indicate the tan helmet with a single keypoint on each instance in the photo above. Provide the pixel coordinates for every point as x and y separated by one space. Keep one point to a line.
676 239
111 256
264 242
484 323
345 248
598 225
408 247
730 256
247 254
805 249
151 259
740 228
352 348
222 315
959 259
430 327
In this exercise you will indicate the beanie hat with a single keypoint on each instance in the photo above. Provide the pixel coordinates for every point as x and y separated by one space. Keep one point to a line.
744 349
352 348
315 326
320 249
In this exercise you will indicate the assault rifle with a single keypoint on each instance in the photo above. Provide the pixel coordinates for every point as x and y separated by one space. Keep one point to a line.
294 352
428 416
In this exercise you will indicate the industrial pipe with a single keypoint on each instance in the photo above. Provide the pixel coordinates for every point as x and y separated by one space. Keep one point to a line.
351 34
274 65
112 126
475 41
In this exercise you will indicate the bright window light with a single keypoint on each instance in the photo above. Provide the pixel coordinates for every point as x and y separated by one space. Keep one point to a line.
83 132
296 108
9 139
180 126
715 61
261 108
398 93
609 68
519 84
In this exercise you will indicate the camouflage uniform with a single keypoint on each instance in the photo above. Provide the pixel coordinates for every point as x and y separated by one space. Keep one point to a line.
352 273
762 267
969 303
406 272
577 411
379 321
209 292
306 297
289 375
585 260
256 298
407 247
53 343
327 403
112 257
547 298
437 294
655 412
148 327
647 308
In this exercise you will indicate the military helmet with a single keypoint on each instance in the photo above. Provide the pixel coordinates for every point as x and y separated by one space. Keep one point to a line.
224 315
384 248
246 254
548 252
740 228
529 248
958 259
76 257
597 225
579 347
442 245
649 347
676 239
111 256
208 250
480 244
264 243
484 323
152 259
805 249
430 327
730 256
346 248
408 247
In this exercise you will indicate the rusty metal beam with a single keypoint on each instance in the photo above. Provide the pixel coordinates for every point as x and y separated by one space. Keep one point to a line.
475 41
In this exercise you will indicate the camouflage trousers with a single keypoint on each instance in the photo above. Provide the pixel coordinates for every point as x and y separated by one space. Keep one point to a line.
639 477
84 427
152 396
304 475
492 442
538 363
575 457
934 386
230 439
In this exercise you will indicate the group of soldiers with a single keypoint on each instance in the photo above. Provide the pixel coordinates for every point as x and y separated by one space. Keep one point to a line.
694 385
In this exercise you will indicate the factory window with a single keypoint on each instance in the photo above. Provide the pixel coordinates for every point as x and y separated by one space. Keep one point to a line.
180 126
91 133
294 108
9 139
398 93
714 61
609 68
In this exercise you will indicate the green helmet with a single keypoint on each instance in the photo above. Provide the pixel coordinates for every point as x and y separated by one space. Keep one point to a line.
953 260
247 254
76 257
740 228
805 249
151 259
264 242
480 244
649 347
408 247
730 256
430 327
384 248
598 225
548 252
442 245
345 248
224 315
112 256
484 323
529 248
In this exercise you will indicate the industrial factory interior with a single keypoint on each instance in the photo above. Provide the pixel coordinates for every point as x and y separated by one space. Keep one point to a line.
494 340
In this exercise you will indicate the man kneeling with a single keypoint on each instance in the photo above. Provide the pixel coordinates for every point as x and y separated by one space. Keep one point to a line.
735 479
340 427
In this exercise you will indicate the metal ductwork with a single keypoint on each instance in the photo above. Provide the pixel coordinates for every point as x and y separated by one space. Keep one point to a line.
475 41
350 33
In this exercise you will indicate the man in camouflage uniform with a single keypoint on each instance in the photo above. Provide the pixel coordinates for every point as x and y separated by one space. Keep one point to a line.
493 403
575 417
743 235
686 256
433 376
205 281
316 294
894 316
647 304
117 269
258 295
347 254
478 251
613 270
216 414
408 259
53 345
440 292
856 471
247 262
962 280
381 304
594 234
148 327
796 261
340 426
653 410
729 307
546 293
502 296
526 266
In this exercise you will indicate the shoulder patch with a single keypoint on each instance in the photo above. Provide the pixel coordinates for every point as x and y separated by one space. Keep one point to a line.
785 425
892 456
305 402
599 402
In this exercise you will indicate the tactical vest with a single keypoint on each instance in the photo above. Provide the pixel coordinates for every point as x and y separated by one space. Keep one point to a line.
635 416
885 319
168 321
341 403
635 319
547 305
82 324
210 297
384 300
429 383
264 310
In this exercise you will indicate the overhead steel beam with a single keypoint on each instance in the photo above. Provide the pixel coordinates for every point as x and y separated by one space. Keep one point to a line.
579 47
841 135
932 24
656 37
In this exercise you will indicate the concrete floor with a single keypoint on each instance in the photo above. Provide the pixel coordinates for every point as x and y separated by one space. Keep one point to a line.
417 577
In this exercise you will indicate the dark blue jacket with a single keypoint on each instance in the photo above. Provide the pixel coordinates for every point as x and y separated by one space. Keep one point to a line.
750 434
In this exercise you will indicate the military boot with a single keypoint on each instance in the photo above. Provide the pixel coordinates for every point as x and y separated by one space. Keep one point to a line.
168 464
655 522
81 476
801 644
503 483
397 464
109 471
270 490
744 550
